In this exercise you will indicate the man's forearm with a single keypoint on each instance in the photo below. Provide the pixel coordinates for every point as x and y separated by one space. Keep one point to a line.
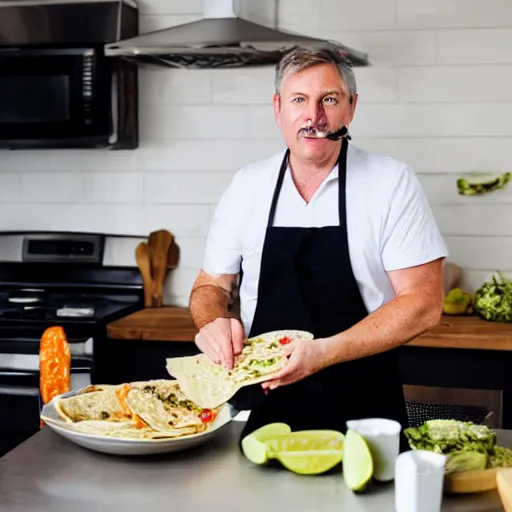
210 300
394 324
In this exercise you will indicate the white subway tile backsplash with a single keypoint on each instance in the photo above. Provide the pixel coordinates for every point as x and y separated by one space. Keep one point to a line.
434 120
180 281
204 155
105 218
336 15
392 48
261 123
191 251
480 252
474 219
444 155
181 220
437 97
473 279
127 187
455 84
376 84
243 86
475 46
51 187
441 190
453 13
163 86
193 122
185 188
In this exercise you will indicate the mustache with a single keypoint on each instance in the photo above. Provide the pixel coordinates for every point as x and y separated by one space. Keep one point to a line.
313 131
322 132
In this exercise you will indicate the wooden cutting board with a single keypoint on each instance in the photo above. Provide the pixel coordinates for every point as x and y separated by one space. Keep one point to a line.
504 481
155 324
470 481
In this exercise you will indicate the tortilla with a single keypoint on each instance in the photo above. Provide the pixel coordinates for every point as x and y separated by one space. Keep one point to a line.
127 430
155 409
210 385
162 406
92 403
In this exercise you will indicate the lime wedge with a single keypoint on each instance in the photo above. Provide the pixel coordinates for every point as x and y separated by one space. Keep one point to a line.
308 452
357 461
253 445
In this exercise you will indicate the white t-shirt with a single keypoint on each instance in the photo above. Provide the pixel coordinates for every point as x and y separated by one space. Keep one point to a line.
389 220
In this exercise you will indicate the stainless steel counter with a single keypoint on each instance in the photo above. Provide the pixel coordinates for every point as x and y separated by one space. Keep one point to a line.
49 474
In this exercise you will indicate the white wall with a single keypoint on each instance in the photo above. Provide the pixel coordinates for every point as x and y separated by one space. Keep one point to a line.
438 96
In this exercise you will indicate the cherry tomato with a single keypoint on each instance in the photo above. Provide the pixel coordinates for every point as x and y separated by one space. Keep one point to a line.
207 416
285 340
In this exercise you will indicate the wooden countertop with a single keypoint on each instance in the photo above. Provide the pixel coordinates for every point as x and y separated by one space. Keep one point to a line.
158 324
175 324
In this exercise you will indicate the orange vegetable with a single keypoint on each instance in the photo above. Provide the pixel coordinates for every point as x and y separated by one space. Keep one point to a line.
54 364
122 398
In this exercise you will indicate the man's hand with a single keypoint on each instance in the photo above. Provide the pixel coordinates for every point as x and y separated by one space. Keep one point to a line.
221 340
306 357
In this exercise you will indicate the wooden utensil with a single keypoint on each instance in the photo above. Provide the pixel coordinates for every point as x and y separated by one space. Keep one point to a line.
159 243
504 483
470 481
173 256
144 264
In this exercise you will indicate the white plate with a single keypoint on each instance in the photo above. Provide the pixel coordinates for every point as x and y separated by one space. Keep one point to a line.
117 446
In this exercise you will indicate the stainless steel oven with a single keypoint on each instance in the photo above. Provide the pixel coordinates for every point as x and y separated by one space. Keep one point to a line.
19 384
54 279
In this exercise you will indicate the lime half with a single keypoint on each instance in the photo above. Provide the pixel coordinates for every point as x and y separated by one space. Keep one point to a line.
357 462
254 446
308 452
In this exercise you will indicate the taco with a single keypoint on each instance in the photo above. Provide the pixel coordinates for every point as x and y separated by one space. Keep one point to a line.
210 385
92 403
162 406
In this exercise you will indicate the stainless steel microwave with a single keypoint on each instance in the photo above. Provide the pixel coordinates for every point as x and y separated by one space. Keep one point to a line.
61 91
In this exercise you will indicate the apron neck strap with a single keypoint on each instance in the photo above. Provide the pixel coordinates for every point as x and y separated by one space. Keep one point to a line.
342 171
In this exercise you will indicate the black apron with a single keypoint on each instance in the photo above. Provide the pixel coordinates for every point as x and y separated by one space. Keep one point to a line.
306 282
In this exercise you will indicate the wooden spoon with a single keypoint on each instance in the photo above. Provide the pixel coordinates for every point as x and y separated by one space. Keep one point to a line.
143 262
159 243
173 256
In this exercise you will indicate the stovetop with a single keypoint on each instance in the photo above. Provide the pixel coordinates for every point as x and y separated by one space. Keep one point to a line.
32 305
67 279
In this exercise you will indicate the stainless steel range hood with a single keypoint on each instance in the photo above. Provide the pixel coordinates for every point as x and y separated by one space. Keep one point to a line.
221 39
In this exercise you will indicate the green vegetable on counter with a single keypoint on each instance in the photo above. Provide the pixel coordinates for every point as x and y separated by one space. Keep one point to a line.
478 184
493 300
446 436
465 461
500 458
468 446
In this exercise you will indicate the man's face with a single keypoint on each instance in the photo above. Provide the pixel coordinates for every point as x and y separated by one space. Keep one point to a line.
316 96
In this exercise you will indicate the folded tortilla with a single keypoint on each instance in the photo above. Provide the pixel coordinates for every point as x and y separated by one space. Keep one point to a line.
210 385
127 430
163 407
92 403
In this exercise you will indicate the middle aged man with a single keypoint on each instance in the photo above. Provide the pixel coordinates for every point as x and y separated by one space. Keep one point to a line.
327 238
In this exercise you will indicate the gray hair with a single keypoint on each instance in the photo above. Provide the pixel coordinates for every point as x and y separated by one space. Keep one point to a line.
299 59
